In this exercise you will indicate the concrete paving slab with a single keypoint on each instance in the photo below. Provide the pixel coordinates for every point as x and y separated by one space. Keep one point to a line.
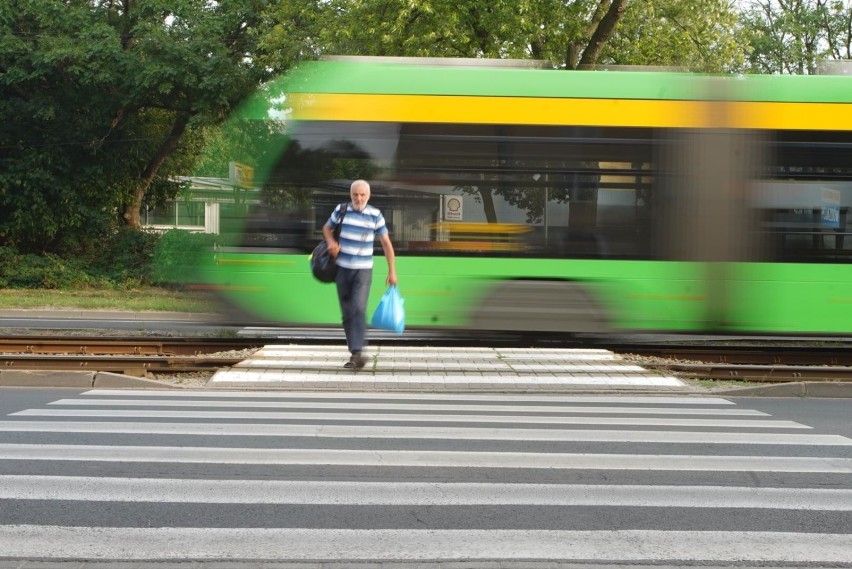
107 380
444 369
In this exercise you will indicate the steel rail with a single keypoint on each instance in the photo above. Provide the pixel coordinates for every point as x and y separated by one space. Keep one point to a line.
123 346
128 365
756 373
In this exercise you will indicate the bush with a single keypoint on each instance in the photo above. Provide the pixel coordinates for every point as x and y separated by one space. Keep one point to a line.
179 255
46 271
126 258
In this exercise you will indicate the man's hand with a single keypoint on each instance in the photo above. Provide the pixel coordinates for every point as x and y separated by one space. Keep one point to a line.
333 247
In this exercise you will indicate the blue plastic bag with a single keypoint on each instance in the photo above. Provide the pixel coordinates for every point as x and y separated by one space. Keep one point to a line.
390 314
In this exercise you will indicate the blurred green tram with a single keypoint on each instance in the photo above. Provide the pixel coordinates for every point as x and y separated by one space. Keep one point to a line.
537 200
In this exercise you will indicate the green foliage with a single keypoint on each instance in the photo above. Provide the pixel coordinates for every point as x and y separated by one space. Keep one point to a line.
125 259
179 255
796 37
50 185
526 29
96 99
47 271
698 35
691 35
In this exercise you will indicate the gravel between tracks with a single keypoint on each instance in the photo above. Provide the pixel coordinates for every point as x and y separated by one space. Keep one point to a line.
200 378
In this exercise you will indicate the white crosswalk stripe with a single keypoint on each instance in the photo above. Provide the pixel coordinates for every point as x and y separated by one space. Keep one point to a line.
321 407
415 545
387 417
414 493
464 477
445 459
359 431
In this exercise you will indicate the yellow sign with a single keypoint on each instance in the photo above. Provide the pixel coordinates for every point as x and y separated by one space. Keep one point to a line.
242 175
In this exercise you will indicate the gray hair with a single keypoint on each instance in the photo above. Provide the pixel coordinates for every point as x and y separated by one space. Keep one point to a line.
357 183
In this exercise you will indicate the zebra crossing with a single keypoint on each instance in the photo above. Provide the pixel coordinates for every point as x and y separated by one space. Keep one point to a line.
124 475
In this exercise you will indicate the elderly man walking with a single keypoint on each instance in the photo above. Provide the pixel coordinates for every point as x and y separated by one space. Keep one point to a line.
361 224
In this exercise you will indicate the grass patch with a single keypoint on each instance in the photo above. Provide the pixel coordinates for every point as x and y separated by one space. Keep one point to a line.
138 300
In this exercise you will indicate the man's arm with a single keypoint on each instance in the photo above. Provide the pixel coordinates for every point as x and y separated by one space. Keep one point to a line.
330 241
387 246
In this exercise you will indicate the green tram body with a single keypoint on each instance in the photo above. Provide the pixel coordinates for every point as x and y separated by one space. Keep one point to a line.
710 253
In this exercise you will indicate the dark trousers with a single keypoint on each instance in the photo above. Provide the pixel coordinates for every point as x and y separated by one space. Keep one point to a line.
353 289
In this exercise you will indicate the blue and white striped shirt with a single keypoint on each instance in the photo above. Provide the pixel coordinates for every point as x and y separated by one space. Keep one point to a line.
357 235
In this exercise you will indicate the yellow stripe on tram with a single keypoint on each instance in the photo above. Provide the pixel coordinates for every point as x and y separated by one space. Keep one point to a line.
792 116
575 112
497 110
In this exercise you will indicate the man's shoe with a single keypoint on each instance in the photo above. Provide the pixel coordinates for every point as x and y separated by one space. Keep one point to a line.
359 361
356 362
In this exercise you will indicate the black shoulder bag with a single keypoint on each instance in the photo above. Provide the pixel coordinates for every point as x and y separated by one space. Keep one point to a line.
323 265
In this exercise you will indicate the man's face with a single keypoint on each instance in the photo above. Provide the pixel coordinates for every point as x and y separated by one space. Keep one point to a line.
359 196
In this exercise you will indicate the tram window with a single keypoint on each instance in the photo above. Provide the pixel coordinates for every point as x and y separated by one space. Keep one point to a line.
805 197
541 190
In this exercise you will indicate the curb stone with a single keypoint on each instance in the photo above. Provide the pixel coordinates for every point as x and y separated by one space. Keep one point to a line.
108 380
84 379
818 389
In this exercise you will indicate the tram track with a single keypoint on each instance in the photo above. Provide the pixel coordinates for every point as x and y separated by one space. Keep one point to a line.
129 345
127 355
764 373
765 364
140 356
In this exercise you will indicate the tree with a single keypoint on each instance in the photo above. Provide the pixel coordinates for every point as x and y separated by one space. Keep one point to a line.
49 184
795 36
569 34
691 35
98 96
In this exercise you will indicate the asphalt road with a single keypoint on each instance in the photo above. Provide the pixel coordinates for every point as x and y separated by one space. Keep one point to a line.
97 475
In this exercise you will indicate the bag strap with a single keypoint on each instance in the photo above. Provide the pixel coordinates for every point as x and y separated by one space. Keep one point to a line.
343 207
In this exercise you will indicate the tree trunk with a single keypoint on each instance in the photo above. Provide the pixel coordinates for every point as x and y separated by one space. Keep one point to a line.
488 204
603 32
169 145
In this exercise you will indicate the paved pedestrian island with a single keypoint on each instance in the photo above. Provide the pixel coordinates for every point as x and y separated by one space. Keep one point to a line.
391 368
